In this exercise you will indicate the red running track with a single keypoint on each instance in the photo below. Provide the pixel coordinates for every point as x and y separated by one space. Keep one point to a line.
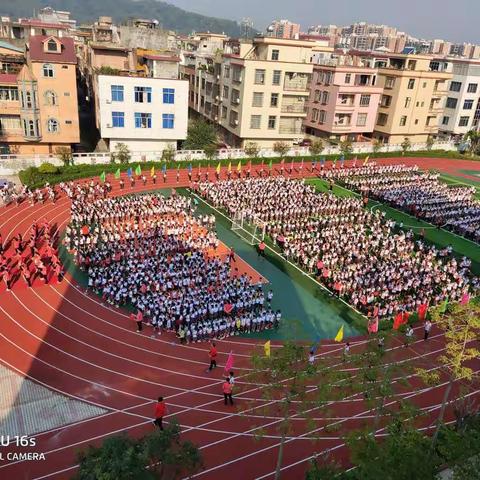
64 338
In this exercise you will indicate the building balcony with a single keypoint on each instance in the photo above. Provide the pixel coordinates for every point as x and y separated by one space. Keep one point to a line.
300 109
341 127
296 86
290 130
431 128
11 135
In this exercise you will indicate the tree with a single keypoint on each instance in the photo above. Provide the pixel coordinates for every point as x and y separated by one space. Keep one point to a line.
106 70
376 146
158 455
316 148
346 147
200 135
473 139
282 148
406 145
121 153
251 149
429 143
462 327
168 154
211 151
65 155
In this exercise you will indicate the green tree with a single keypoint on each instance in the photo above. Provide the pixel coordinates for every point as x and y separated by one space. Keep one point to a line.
429 143
211 151
65 155
121 153
168 154
473 139
346 147
376 146
200 135
106 70
251 149
281 148
406 145
316 148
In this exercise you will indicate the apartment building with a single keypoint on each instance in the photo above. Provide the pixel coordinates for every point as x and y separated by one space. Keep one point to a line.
283 29
38 101
411 105
462 102
344 99
147 114
254 90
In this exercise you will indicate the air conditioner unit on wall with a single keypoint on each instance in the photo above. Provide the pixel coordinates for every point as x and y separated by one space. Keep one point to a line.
108 102
109 125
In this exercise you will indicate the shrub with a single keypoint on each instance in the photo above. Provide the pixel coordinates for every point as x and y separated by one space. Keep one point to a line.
48 168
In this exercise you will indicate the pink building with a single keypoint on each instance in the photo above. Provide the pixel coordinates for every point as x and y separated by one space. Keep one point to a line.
343 101
283 29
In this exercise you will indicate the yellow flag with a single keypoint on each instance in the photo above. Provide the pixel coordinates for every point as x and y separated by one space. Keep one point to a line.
266 347
229 166
152 171
218 168
339 336
239 166
366 160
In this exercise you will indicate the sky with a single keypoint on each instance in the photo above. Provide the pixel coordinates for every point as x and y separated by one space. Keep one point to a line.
456 21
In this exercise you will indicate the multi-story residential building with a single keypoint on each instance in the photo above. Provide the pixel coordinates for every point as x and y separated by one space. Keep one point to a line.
462 102
283 29
412 102
146 114
39 105
255 90
19 31
343 99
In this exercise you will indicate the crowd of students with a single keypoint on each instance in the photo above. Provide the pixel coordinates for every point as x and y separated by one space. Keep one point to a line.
152 253
418 193
359 255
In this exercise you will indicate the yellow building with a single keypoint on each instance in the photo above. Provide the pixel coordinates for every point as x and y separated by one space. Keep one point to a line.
412 102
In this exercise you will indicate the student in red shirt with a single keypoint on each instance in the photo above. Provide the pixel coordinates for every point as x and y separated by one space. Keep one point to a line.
160 411
227 391
213 357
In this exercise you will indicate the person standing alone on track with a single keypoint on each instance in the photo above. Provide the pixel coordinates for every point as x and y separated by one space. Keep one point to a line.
212 353
426 329
227 391
160 411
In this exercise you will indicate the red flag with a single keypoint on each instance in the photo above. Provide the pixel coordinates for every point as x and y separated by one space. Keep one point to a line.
228 307
373 326
229 364
398 320
422 311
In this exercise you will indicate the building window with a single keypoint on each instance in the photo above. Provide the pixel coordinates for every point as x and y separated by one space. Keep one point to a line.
314 115
386 101
322 117
468 104
451 102
257 99
408 100
50 98
226 71
52 46
325 97
259 77
272 122
168 120
389 82
274 100
143 94
143 120
29 128
28 101
275 54
9 94
277 77
455 86
52 125
117 93
224 112
362 119
348 77
424 84
226 92
463 121
445 120
472 87
364 100
411 84
118 119
382 119
255 121
168 95
48 70
403 120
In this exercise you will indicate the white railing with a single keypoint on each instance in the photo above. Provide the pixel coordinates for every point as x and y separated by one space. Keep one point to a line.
12 164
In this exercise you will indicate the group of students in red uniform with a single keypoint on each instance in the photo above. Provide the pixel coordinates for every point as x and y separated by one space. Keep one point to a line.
26 258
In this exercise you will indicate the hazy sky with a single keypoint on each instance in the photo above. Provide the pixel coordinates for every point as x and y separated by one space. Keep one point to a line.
457 20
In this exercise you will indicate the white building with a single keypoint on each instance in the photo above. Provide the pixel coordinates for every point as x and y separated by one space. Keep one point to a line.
462 103
146 114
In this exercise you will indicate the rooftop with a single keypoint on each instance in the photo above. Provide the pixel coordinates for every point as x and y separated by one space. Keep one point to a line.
37 53
8 78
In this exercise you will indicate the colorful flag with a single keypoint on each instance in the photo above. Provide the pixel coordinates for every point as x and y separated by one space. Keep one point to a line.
229 364
315 345
354 162
164 167
218 169
422 311
129 172
342 160
229 167
117 174
266 348
334 161
152 171
339 336
398 320
102 177
138 170
190 168
373 326
270 164
465 299
366 160
322 161
443 306
239 166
